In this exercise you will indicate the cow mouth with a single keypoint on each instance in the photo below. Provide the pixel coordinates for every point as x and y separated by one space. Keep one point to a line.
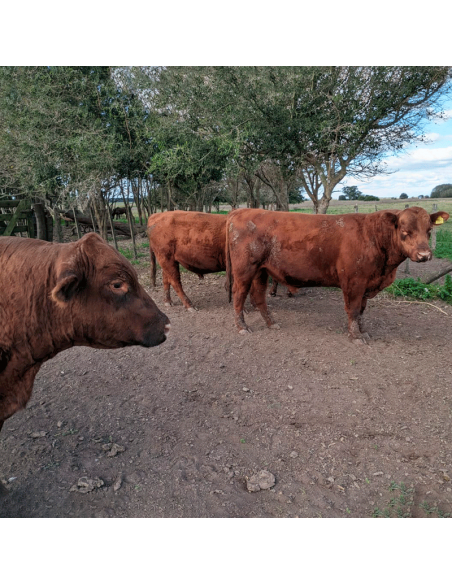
422 256
153 338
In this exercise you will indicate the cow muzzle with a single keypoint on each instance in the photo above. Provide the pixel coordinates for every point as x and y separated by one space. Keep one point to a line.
423 256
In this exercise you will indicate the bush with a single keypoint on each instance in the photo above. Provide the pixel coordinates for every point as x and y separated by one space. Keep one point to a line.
409 287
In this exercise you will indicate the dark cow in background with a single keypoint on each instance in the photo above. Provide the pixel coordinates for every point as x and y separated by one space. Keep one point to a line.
118 211
358 253
55 296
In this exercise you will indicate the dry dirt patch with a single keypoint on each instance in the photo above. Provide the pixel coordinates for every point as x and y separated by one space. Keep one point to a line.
180 429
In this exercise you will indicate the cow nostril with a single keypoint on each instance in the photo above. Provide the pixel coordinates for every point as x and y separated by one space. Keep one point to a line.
167 328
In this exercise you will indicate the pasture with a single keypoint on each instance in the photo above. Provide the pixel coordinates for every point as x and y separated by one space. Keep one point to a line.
178 429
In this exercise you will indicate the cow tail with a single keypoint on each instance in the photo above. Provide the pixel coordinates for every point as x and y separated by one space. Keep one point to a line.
153 265
229 278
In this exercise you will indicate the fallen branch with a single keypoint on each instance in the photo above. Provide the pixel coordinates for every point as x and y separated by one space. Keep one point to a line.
438 276
416 302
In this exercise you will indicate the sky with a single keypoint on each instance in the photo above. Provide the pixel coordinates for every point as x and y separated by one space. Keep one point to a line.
416 172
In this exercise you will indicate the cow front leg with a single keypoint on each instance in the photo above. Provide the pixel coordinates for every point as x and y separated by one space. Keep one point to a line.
362 329
3 490
258 293
354 307
166 290
273 289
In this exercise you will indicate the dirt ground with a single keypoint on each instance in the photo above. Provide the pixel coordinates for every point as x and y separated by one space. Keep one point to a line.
178 430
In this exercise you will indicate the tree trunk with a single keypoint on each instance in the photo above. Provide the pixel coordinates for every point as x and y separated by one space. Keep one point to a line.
41 227
57 220
130 219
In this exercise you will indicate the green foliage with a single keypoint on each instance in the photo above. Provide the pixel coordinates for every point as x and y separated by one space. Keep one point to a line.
442 191
403 196
433 510
409 287
354 194
351 193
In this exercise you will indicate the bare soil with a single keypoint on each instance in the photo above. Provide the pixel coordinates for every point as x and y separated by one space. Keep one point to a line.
177 430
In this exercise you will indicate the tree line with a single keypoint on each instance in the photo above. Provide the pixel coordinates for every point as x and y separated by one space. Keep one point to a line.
196 137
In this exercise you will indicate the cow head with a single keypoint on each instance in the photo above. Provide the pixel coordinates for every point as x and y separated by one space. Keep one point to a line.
413 227
98 290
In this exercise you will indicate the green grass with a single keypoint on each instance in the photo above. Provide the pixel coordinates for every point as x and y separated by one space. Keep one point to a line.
128 253
411 288
443 244
398 506
402 504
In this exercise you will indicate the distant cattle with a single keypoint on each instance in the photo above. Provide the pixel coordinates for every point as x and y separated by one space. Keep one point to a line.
358 253
118 211
56 296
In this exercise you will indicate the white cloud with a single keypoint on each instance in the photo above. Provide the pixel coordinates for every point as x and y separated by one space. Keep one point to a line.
422 159
448 116
433 136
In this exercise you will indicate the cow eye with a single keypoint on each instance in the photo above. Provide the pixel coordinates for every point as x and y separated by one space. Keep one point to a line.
119 287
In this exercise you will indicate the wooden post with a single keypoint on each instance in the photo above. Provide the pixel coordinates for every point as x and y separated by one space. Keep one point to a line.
356 208
433 239
407 266
435 207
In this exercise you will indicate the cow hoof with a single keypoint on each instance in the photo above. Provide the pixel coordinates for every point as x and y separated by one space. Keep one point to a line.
168 304
274 327
366 336
3 490
358 341
191 309
245 331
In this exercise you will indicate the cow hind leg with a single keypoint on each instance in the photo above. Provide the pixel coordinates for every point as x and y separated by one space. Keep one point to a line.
258 292
173 279
239 293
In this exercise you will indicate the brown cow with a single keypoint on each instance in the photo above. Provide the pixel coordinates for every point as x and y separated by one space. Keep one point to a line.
55 296
193 239
358 253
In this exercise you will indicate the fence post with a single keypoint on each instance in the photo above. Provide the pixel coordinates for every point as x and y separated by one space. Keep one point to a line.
356 208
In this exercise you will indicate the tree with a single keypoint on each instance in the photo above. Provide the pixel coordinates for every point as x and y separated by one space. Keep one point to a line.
442 191
326 121
351 193
403 196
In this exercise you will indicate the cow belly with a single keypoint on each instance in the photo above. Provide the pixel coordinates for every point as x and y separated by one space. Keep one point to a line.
303 278
207 265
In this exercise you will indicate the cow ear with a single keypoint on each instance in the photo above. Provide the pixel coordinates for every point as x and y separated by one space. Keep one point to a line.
439 218
66 286
390 218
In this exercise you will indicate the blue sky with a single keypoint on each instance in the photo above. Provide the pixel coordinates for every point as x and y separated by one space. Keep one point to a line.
418 170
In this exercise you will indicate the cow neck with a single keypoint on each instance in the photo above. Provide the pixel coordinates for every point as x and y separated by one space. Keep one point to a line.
388 243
